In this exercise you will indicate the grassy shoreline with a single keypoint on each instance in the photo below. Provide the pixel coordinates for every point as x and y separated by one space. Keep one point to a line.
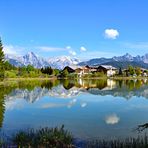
15 80
8 81
59 137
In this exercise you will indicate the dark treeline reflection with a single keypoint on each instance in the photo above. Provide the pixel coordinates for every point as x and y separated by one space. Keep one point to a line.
102 87
3 92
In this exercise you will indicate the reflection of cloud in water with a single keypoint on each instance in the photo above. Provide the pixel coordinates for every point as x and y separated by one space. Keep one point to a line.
112 119
72 103
11 105
83 105
52 105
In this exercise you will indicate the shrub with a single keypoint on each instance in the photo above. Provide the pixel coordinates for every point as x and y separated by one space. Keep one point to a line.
44 137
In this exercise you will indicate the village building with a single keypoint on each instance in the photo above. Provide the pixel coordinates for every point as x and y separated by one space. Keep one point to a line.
82 71
107 69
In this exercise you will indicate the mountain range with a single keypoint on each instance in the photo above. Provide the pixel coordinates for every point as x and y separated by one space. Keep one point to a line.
38 62
119 61
60 62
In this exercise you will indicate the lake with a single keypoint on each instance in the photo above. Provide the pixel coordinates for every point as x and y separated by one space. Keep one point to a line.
102 108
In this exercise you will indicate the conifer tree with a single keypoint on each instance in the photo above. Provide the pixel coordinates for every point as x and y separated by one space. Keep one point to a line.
2 57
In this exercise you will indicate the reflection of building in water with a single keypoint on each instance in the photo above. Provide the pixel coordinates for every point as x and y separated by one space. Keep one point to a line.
101 84
91 83
145 80
87 83
111 84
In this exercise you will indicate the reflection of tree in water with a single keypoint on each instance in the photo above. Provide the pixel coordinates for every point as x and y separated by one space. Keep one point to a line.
142 127
50 84
101 84
3 92
134 84
2 106
138 84
130 84
120 83
67 84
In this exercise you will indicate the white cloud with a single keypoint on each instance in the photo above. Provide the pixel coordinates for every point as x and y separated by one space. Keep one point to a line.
82 48
10 49
112 119
111 33
71 52
50 49
68 47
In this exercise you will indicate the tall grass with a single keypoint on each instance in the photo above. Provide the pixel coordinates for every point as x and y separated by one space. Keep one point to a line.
42 138
60 138
139 142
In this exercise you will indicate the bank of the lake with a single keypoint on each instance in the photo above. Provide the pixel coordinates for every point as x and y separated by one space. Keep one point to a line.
9 81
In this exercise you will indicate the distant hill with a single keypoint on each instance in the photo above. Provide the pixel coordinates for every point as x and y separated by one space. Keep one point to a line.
120 61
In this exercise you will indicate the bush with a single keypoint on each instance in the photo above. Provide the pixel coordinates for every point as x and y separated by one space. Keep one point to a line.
99 74
44 137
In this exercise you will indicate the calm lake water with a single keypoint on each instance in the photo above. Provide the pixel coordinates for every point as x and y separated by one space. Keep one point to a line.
87 108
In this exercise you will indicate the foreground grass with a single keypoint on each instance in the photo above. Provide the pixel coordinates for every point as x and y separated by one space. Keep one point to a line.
61 138
139 142
44 137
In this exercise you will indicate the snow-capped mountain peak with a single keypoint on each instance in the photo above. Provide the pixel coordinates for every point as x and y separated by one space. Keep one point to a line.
63 61
126 57
32 59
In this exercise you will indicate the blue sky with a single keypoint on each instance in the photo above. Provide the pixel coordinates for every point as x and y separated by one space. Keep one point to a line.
80 28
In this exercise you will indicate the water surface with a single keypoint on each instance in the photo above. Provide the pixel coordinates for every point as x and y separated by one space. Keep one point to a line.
88 108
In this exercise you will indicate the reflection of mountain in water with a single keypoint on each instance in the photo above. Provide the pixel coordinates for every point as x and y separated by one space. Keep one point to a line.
38 92
142 92
126 89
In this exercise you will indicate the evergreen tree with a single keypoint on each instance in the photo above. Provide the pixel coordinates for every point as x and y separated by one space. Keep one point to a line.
120 71
64 73
2 57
